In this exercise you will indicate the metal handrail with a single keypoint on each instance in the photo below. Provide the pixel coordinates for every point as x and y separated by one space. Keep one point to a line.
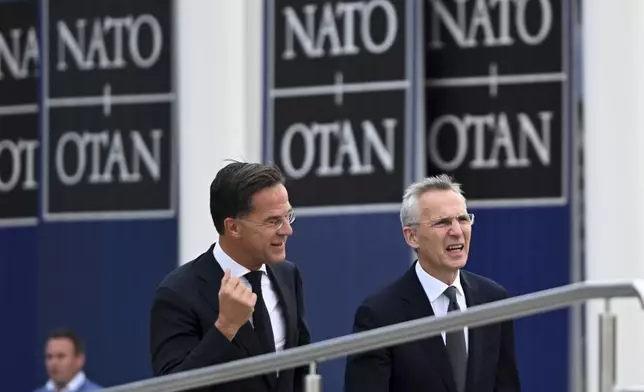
388 336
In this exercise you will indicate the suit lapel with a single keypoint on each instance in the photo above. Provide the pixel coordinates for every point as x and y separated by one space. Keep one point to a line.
418 306
473 298
287 301
211 274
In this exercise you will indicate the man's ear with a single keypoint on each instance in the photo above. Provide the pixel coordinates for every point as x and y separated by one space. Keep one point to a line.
80 358
410 237
232 227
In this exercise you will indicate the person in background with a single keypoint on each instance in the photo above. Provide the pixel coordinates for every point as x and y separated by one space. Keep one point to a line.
64 361
241 297
436 224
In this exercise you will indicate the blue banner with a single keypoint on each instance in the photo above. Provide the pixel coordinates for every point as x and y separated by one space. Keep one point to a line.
341 88
19 158
498 117
88 183
486 99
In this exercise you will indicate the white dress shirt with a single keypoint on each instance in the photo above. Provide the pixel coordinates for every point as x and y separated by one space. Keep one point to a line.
268 293
434 289
72 386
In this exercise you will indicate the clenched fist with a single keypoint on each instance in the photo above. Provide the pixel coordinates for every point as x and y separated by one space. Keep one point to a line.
236 305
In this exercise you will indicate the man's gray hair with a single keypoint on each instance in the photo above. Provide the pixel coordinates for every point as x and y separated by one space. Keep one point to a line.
410 209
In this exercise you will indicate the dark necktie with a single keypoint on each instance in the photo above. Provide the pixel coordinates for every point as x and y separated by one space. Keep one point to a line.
455 344
261 319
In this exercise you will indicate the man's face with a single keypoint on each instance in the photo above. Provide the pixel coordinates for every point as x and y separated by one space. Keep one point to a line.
442 236
261 238
62 361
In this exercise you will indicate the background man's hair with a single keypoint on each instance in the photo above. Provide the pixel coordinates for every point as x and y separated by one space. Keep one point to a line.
66 333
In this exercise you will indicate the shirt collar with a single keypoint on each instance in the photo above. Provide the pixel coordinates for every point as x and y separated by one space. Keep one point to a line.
72 386
434 287
236 270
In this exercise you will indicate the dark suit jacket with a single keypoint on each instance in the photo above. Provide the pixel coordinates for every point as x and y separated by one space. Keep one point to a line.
423 365
183 335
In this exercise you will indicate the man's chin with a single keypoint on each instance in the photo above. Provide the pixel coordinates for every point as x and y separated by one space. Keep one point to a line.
59 381
276 258
458 263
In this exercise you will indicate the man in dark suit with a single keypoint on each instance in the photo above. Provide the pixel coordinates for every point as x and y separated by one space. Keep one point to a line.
240 298
438 227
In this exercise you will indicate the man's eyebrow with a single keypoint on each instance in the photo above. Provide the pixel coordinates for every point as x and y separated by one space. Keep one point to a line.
449 216
280 216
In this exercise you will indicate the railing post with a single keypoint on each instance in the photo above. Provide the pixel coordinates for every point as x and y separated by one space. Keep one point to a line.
607 357
313 382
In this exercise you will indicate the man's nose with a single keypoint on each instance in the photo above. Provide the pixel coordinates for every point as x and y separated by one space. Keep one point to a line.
286 229
455 229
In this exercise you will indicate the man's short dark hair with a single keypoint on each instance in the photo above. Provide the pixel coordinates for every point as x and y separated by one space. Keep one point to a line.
79 347
232 190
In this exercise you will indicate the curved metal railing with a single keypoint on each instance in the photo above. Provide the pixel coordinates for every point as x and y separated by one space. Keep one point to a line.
406 332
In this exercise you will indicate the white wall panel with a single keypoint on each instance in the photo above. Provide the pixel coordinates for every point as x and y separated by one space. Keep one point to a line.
613 37
219 78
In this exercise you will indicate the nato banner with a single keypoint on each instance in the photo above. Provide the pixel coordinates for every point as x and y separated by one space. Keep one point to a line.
340 116
107 227
19 185
339 106
109 100
498 118
343 118
19 145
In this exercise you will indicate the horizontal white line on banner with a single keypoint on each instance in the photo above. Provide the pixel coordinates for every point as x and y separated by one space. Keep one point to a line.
18 109
18 222
527 202
469 81
347 209
108 215
100 100
339 88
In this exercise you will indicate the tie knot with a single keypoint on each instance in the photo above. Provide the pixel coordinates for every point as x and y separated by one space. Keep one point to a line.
255 280
450 292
